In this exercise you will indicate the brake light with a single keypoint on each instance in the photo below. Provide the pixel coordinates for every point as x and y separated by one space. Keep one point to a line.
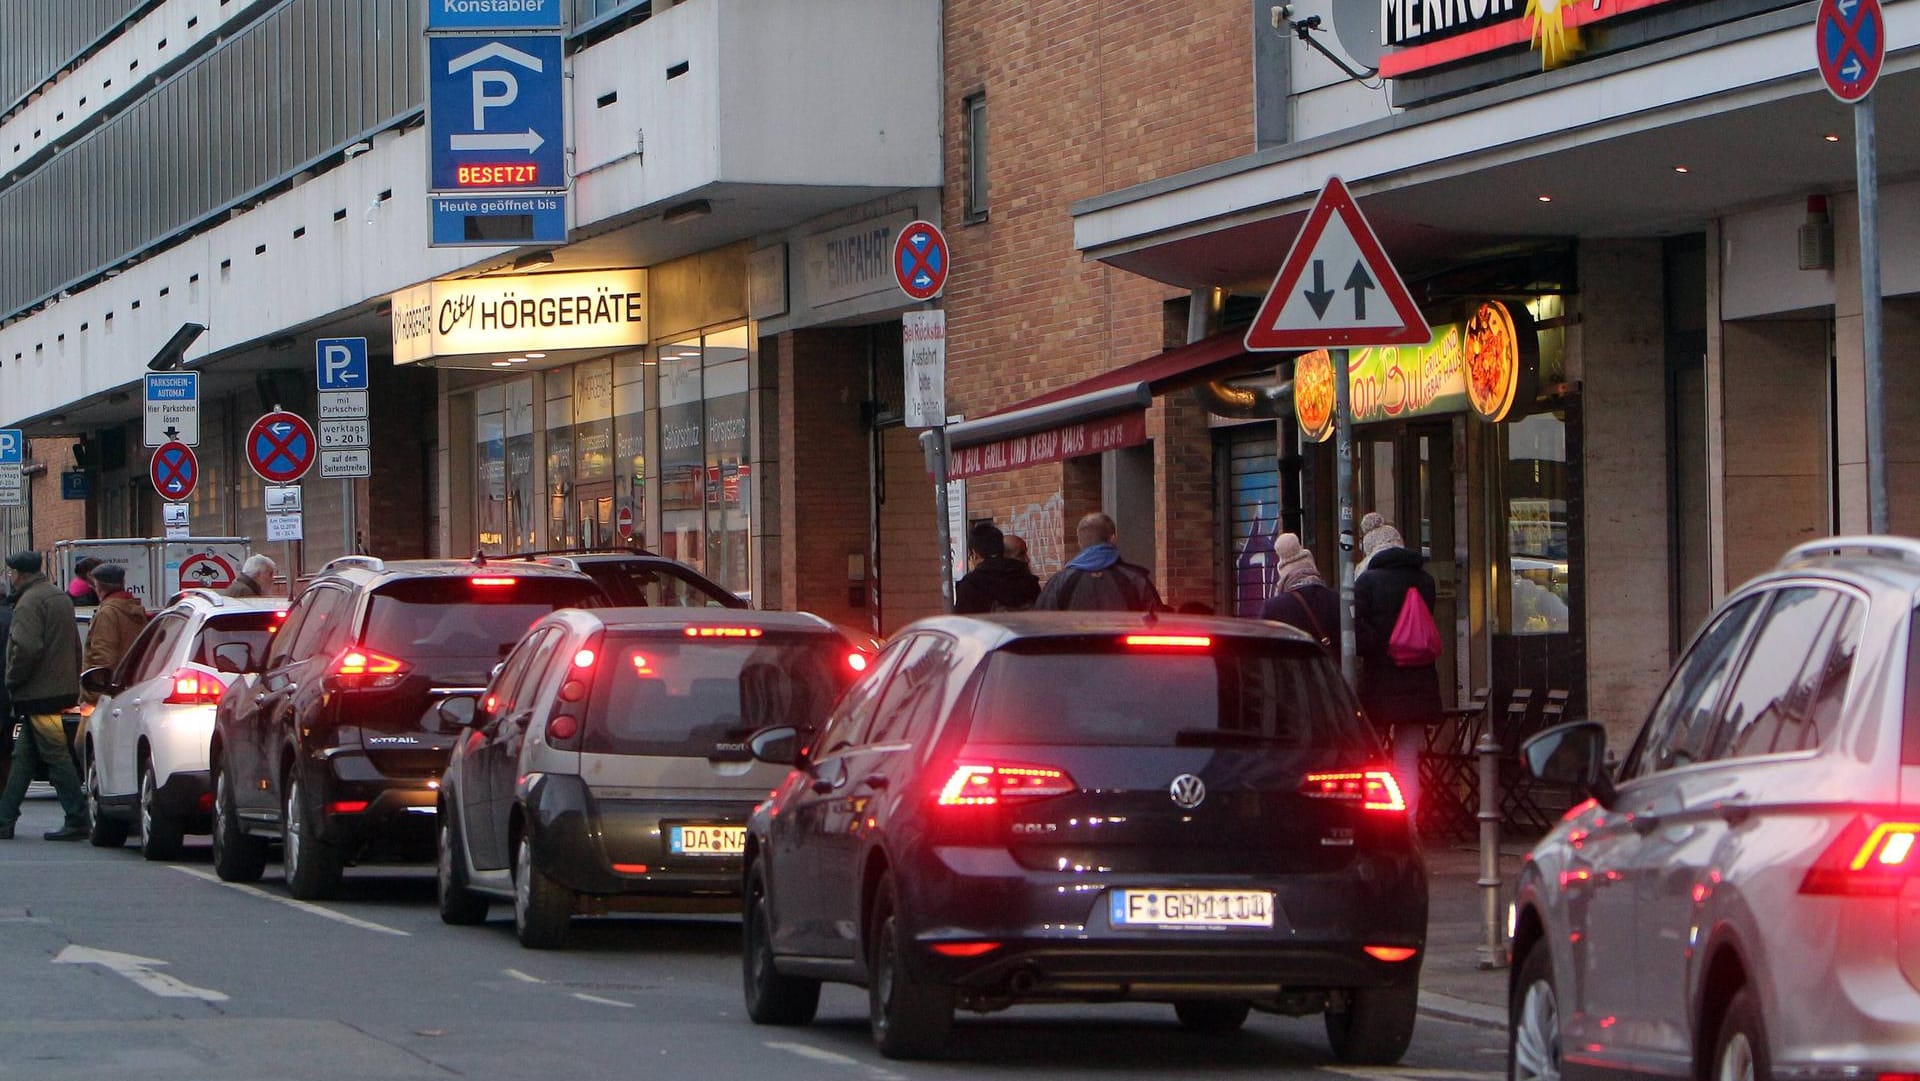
1373 789
631 868
723 632
1579 809
584 659
857 661
964 949
563 727
194 688
347 806
984 784
1868 859
365 670
1169 641
1391 953
642 666
490 582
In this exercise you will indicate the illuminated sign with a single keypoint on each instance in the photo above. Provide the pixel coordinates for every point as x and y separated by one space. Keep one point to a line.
1427 34
1483 366
600 309
507 176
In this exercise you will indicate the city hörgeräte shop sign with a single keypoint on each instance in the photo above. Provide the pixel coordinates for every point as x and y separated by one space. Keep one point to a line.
600 309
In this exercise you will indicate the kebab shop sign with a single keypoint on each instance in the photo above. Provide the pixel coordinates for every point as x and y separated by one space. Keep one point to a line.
1052 445
1480 366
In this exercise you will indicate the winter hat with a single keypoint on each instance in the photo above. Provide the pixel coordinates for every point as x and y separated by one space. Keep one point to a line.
27 562
112 575
1295 562
1383 536
1371 521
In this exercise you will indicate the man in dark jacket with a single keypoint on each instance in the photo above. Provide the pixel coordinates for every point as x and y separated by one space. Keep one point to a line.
43 676
996 583
1098 580
1400 701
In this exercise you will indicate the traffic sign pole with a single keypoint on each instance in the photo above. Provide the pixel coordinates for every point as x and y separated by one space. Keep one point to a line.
1867 167
1343 486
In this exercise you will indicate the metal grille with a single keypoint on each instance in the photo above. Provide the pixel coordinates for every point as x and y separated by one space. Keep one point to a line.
299 84
43 36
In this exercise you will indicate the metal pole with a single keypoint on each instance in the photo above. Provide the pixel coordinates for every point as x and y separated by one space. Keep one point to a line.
1492 951
348 515
1343 486
934 441
1867 169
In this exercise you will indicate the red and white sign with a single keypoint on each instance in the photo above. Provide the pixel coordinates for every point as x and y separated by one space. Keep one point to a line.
1053 445
281 447
1850 44
624 521
208 570
1337 289
920 260
175 471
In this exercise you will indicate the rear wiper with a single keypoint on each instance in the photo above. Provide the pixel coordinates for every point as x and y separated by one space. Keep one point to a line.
1217 737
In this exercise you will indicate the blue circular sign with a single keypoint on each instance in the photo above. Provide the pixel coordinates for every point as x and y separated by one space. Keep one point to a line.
175 471
281 447
1850 42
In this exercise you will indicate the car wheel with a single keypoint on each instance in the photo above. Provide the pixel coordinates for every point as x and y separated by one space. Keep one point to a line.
1376 1026
160 833
772 999
1533 1020
1740 1049
312 865
910 1018
458 904
238 856
542 908
102 831
1212 1017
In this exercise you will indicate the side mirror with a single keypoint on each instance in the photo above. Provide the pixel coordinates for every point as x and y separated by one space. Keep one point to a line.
777 746
99 680
1573 754
495 674
457 712
233 658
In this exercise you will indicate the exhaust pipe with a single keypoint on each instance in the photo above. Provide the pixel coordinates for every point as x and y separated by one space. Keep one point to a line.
1023 981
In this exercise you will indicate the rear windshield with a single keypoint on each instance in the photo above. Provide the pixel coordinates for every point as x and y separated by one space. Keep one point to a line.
455 626
251 629
641 586
655 695
1102 693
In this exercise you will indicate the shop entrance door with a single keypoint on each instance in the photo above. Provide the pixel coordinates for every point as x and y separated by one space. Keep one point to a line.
595 503
1406 473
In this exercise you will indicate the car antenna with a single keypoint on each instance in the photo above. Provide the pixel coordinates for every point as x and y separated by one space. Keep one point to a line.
479 557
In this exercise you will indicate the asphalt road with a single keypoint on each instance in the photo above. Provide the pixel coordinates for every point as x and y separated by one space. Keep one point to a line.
245 983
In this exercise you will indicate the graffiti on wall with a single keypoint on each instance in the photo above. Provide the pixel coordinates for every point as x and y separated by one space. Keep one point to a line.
1043 527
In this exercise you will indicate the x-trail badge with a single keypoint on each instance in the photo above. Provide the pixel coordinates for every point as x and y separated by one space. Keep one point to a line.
1187 791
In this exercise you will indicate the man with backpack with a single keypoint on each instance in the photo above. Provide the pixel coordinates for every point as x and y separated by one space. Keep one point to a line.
996 583
1098 580
1399 646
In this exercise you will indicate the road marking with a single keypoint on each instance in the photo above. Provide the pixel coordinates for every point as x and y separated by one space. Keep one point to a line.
523 977
305 906
139 970
597 1000
1460 1009
1413 1073
817 1054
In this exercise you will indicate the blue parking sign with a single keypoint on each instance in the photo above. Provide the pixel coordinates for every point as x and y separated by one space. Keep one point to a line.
13 447
496 113
340 363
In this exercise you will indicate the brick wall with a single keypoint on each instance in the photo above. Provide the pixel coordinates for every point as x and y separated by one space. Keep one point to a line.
823 470
1082 99
55 519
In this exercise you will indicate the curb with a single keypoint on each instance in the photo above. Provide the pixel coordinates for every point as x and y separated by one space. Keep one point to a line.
1463 1010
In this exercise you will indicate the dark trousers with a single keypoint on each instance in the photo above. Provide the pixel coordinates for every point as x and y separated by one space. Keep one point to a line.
42 738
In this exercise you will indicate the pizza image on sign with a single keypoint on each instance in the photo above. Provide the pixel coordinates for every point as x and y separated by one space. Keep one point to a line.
1493 360
1313 397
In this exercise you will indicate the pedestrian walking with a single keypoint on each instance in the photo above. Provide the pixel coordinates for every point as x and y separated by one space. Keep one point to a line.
1373 525
1098 580
6 701
81 588
1399 646
254 579
1301 598
119 618
43 678
994 583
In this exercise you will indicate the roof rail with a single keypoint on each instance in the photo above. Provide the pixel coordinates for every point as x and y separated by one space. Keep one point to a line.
632 548
372 563
212 596
1905 549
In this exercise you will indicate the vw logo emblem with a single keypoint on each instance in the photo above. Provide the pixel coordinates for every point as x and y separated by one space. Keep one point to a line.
1187 791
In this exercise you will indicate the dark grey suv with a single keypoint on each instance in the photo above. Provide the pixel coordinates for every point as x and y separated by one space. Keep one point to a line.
1059 807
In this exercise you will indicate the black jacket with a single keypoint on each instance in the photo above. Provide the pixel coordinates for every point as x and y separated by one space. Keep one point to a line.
1392 695
1000 580
1123 587
1314 608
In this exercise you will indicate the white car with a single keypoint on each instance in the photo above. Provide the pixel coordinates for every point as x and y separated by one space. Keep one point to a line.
143 748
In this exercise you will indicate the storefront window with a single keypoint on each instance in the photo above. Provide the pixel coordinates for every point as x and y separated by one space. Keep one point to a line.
503 467
562 519
729 476
630 448
682 461
593 452
1536 506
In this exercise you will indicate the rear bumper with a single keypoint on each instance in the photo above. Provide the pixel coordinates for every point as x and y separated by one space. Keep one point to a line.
1033 969
622 847
186 794
399 820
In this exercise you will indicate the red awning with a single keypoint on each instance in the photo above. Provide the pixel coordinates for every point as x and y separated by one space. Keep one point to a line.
1104 412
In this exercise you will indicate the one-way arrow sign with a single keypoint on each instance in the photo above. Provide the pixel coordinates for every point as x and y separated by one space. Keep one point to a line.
139 970
1336 243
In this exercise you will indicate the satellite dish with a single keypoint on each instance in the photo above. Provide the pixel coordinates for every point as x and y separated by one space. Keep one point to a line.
1357 24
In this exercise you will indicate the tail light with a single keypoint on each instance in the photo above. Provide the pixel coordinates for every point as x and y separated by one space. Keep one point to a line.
856 660
724 632
191 687
347 806
564 727
1868 859
985 784
365 670
1169 641
490 583
1391 954
1373 789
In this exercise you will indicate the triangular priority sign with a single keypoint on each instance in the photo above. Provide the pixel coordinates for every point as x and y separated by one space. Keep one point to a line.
1337 288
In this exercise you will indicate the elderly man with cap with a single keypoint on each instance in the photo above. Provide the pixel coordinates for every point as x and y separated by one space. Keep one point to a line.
43 676
255 576
117 622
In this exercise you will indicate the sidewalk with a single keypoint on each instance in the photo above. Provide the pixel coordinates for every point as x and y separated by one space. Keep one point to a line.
1452 984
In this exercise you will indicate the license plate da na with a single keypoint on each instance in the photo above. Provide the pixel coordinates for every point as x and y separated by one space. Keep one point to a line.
707 840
